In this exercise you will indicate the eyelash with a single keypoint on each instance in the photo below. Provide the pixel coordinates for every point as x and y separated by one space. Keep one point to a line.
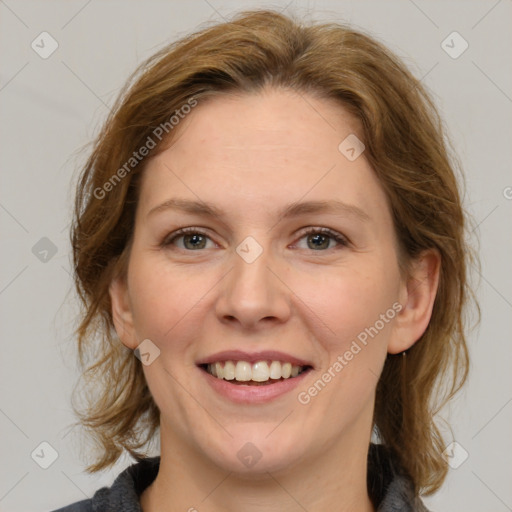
337 237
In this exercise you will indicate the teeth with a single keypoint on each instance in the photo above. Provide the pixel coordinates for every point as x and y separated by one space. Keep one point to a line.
261 371
243 371
286 370
229 370
275 370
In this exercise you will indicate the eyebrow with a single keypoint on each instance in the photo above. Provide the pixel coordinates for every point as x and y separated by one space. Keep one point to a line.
289 211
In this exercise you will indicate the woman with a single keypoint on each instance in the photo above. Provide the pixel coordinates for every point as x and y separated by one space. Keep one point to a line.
270 222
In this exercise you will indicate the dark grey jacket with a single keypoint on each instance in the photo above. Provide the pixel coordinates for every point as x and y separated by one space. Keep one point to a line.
389 488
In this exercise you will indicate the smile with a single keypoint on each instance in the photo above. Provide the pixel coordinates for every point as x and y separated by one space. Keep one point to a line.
258 373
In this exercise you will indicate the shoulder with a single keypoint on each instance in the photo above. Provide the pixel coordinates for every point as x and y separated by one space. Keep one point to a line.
123 495
79 506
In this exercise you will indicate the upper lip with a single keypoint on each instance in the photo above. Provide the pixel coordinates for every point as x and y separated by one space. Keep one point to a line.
253 357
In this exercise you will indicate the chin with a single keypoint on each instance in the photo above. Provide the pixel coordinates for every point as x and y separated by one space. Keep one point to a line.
256 453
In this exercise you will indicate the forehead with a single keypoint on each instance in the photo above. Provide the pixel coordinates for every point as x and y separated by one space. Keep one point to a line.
253 150
271 119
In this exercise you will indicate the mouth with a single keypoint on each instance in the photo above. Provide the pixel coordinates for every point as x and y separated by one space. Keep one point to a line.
259 373
253 378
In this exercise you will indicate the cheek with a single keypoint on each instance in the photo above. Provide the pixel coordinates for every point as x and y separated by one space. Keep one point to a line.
160 299
352 304
354 348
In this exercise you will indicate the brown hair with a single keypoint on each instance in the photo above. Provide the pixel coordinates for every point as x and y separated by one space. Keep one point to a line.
405 144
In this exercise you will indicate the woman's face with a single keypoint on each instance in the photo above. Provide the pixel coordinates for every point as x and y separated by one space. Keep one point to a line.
255 179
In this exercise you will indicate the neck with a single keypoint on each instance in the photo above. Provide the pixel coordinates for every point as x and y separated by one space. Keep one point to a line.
335 480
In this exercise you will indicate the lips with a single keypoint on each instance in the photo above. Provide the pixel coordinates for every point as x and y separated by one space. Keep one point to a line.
258 368
251 392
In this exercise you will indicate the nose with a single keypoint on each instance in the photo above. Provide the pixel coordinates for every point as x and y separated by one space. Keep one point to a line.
254 294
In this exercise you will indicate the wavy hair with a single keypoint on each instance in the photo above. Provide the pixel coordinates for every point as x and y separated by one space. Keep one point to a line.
407 148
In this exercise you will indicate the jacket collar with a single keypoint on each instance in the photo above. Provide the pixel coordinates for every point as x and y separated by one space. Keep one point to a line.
389 487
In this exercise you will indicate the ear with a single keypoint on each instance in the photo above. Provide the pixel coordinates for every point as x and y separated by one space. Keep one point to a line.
122 313
417 295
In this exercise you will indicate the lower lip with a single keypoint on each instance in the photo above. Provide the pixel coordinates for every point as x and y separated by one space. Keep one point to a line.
247 394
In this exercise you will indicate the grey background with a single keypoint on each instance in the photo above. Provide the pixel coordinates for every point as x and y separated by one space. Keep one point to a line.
51 107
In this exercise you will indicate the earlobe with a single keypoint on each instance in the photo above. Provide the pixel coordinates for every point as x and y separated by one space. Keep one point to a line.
121 312
417 297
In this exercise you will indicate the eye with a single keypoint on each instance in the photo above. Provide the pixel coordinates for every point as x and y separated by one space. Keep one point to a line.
321 238
193 239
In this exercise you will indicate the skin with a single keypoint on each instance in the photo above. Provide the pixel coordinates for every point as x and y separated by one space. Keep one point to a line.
251 155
